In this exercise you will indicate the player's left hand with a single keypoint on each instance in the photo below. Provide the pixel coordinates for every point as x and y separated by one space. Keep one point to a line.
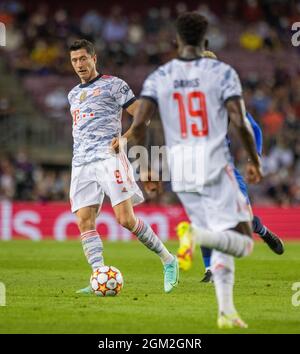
152 186
253 173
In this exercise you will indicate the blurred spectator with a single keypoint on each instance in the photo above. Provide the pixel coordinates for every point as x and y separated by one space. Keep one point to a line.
44 55
115 27
23 176
57 102
272 121
135 29
261 99
279 158
212 18
252 11
7 181
217 38
5 107
91 23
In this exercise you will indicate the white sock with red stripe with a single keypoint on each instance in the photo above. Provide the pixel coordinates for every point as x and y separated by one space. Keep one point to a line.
93 248
223 273
147 236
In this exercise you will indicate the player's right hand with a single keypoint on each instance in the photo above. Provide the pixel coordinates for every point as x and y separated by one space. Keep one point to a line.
253 173
152 185
153 188
115 145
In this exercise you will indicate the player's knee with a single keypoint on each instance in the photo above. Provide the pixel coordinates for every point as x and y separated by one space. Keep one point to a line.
249 245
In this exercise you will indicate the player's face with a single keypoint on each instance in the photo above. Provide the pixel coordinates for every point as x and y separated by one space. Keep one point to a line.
84 64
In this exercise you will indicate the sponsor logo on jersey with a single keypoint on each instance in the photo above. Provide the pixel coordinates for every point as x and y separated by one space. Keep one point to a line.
96 92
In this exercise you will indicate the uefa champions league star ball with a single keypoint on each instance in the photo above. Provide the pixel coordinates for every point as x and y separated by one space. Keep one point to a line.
107 281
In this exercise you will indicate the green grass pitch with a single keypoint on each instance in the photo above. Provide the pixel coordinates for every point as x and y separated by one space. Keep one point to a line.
41 279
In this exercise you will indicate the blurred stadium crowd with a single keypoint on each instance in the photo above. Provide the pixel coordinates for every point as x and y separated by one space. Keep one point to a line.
253 36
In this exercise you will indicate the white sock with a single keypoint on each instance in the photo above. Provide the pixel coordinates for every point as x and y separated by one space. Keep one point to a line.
223 273
229 241
93 248
147 236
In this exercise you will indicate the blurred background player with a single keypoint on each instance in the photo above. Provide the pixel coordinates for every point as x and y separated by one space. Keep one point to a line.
184 89
96 108
187 245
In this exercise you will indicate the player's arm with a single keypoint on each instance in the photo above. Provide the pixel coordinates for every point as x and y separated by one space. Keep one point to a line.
133 108
257 133
236 111
142 113
115 144
128 135
147 108
126 99
145 111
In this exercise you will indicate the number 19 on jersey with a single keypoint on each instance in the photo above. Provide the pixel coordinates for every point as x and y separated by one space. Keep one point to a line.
186 107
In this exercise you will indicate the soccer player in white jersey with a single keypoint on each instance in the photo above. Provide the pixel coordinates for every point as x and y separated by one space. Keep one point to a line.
96 107
195 96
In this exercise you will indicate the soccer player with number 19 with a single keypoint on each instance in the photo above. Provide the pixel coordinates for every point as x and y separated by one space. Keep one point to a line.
96 107
195 96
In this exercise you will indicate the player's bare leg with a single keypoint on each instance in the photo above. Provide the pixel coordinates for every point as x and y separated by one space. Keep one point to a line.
90 239
125 216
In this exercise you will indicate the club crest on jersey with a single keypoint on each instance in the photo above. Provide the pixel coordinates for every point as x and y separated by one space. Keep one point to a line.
83 96
96 92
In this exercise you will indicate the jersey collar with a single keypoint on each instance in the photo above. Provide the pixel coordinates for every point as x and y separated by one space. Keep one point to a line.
189 59
90 82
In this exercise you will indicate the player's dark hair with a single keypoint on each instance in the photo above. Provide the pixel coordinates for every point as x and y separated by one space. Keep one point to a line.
206 44
83 44
191 27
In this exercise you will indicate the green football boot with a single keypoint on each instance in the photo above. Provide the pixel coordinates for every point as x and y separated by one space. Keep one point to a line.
171 275
87 291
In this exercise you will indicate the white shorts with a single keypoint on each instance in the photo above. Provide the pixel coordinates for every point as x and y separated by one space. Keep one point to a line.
112 176
220 206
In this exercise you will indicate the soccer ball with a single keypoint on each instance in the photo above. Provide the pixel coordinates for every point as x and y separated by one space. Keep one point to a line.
107 281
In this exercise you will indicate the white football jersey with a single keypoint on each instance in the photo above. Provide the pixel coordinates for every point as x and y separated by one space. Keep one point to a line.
191 96
96 108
